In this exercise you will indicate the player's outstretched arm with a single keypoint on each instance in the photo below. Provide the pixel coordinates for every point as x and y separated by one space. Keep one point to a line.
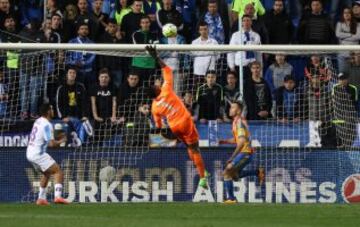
167 71
153 53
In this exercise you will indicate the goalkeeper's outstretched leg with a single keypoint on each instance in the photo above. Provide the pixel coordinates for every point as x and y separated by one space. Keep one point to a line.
166 104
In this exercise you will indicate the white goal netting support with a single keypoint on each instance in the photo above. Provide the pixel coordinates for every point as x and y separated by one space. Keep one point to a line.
308 109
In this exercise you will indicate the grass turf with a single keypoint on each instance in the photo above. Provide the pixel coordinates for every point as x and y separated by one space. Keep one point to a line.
179 214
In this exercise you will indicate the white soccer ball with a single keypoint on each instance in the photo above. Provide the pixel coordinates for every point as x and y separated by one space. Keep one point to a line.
107 174
169 30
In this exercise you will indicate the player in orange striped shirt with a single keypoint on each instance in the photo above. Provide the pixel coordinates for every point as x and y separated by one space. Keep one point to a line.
166 104
242 156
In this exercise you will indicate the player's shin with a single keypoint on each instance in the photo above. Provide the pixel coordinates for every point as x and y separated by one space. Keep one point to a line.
199 163
229 189
43 186
59 178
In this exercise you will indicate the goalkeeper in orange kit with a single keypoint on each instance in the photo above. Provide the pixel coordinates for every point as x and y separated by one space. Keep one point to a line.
166 104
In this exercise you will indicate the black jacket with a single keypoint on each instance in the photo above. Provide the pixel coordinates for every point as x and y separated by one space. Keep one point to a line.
66 107
136 132
316 29
280 27
210 101
130 24
110 62
89 19
126 99
252 99
169 16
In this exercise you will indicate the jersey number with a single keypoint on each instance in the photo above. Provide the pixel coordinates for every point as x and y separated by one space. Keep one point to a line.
33 134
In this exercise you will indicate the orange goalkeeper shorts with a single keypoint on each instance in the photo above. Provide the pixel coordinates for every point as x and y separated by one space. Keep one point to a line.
186 131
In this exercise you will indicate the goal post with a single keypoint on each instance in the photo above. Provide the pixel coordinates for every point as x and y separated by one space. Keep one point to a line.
307 49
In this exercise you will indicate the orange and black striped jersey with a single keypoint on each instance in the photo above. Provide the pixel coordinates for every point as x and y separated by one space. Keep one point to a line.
240 129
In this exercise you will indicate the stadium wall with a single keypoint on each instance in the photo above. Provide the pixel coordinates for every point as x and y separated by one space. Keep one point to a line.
321 176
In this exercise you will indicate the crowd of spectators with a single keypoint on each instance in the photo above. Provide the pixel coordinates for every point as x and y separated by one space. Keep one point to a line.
98 87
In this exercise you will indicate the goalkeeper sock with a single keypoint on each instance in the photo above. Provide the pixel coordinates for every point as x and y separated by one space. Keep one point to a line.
42 193
229 189
199 163
58 190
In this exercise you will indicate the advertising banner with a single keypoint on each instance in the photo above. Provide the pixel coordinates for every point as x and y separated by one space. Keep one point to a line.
319 176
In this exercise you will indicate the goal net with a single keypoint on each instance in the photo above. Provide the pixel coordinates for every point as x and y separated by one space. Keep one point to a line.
302 115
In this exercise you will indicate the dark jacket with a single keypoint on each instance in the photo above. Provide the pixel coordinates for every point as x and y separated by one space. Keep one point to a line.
345 101
75 108
170 16
91 20
110 62
130 24
252 99
14 13
280 27
210 101
136 132
316 29
281 109
126 100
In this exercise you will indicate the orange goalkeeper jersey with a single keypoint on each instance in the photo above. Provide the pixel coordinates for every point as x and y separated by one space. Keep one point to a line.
168 104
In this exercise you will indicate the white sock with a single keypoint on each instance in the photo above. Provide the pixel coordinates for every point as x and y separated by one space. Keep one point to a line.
42 193
58 190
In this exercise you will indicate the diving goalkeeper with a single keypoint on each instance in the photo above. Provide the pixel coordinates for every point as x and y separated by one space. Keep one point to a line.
166 104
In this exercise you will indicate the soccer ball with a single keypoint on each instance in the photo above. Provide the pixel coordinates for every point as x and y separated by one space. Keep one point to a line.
107 174
169 30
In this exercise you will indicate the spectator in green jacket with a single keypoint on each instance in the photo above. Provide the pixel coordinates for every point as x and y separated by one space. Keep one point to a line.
239 7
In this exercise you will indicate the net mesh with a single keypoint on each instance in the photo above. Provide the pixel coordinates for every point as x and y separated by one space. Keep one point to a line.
319 112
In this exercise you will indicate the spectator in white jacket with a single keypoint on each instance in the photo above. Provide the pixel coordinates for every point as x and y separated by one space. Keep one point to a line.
203 61
243 58
348 33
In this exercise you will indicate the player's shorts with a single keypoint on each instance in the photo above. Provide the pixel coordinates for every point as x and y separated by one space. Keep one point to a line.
186 131
241 160
41 162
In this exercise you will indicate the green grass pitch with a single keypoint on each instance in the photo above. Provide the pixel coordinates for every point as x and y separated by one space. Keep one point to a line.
179 214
